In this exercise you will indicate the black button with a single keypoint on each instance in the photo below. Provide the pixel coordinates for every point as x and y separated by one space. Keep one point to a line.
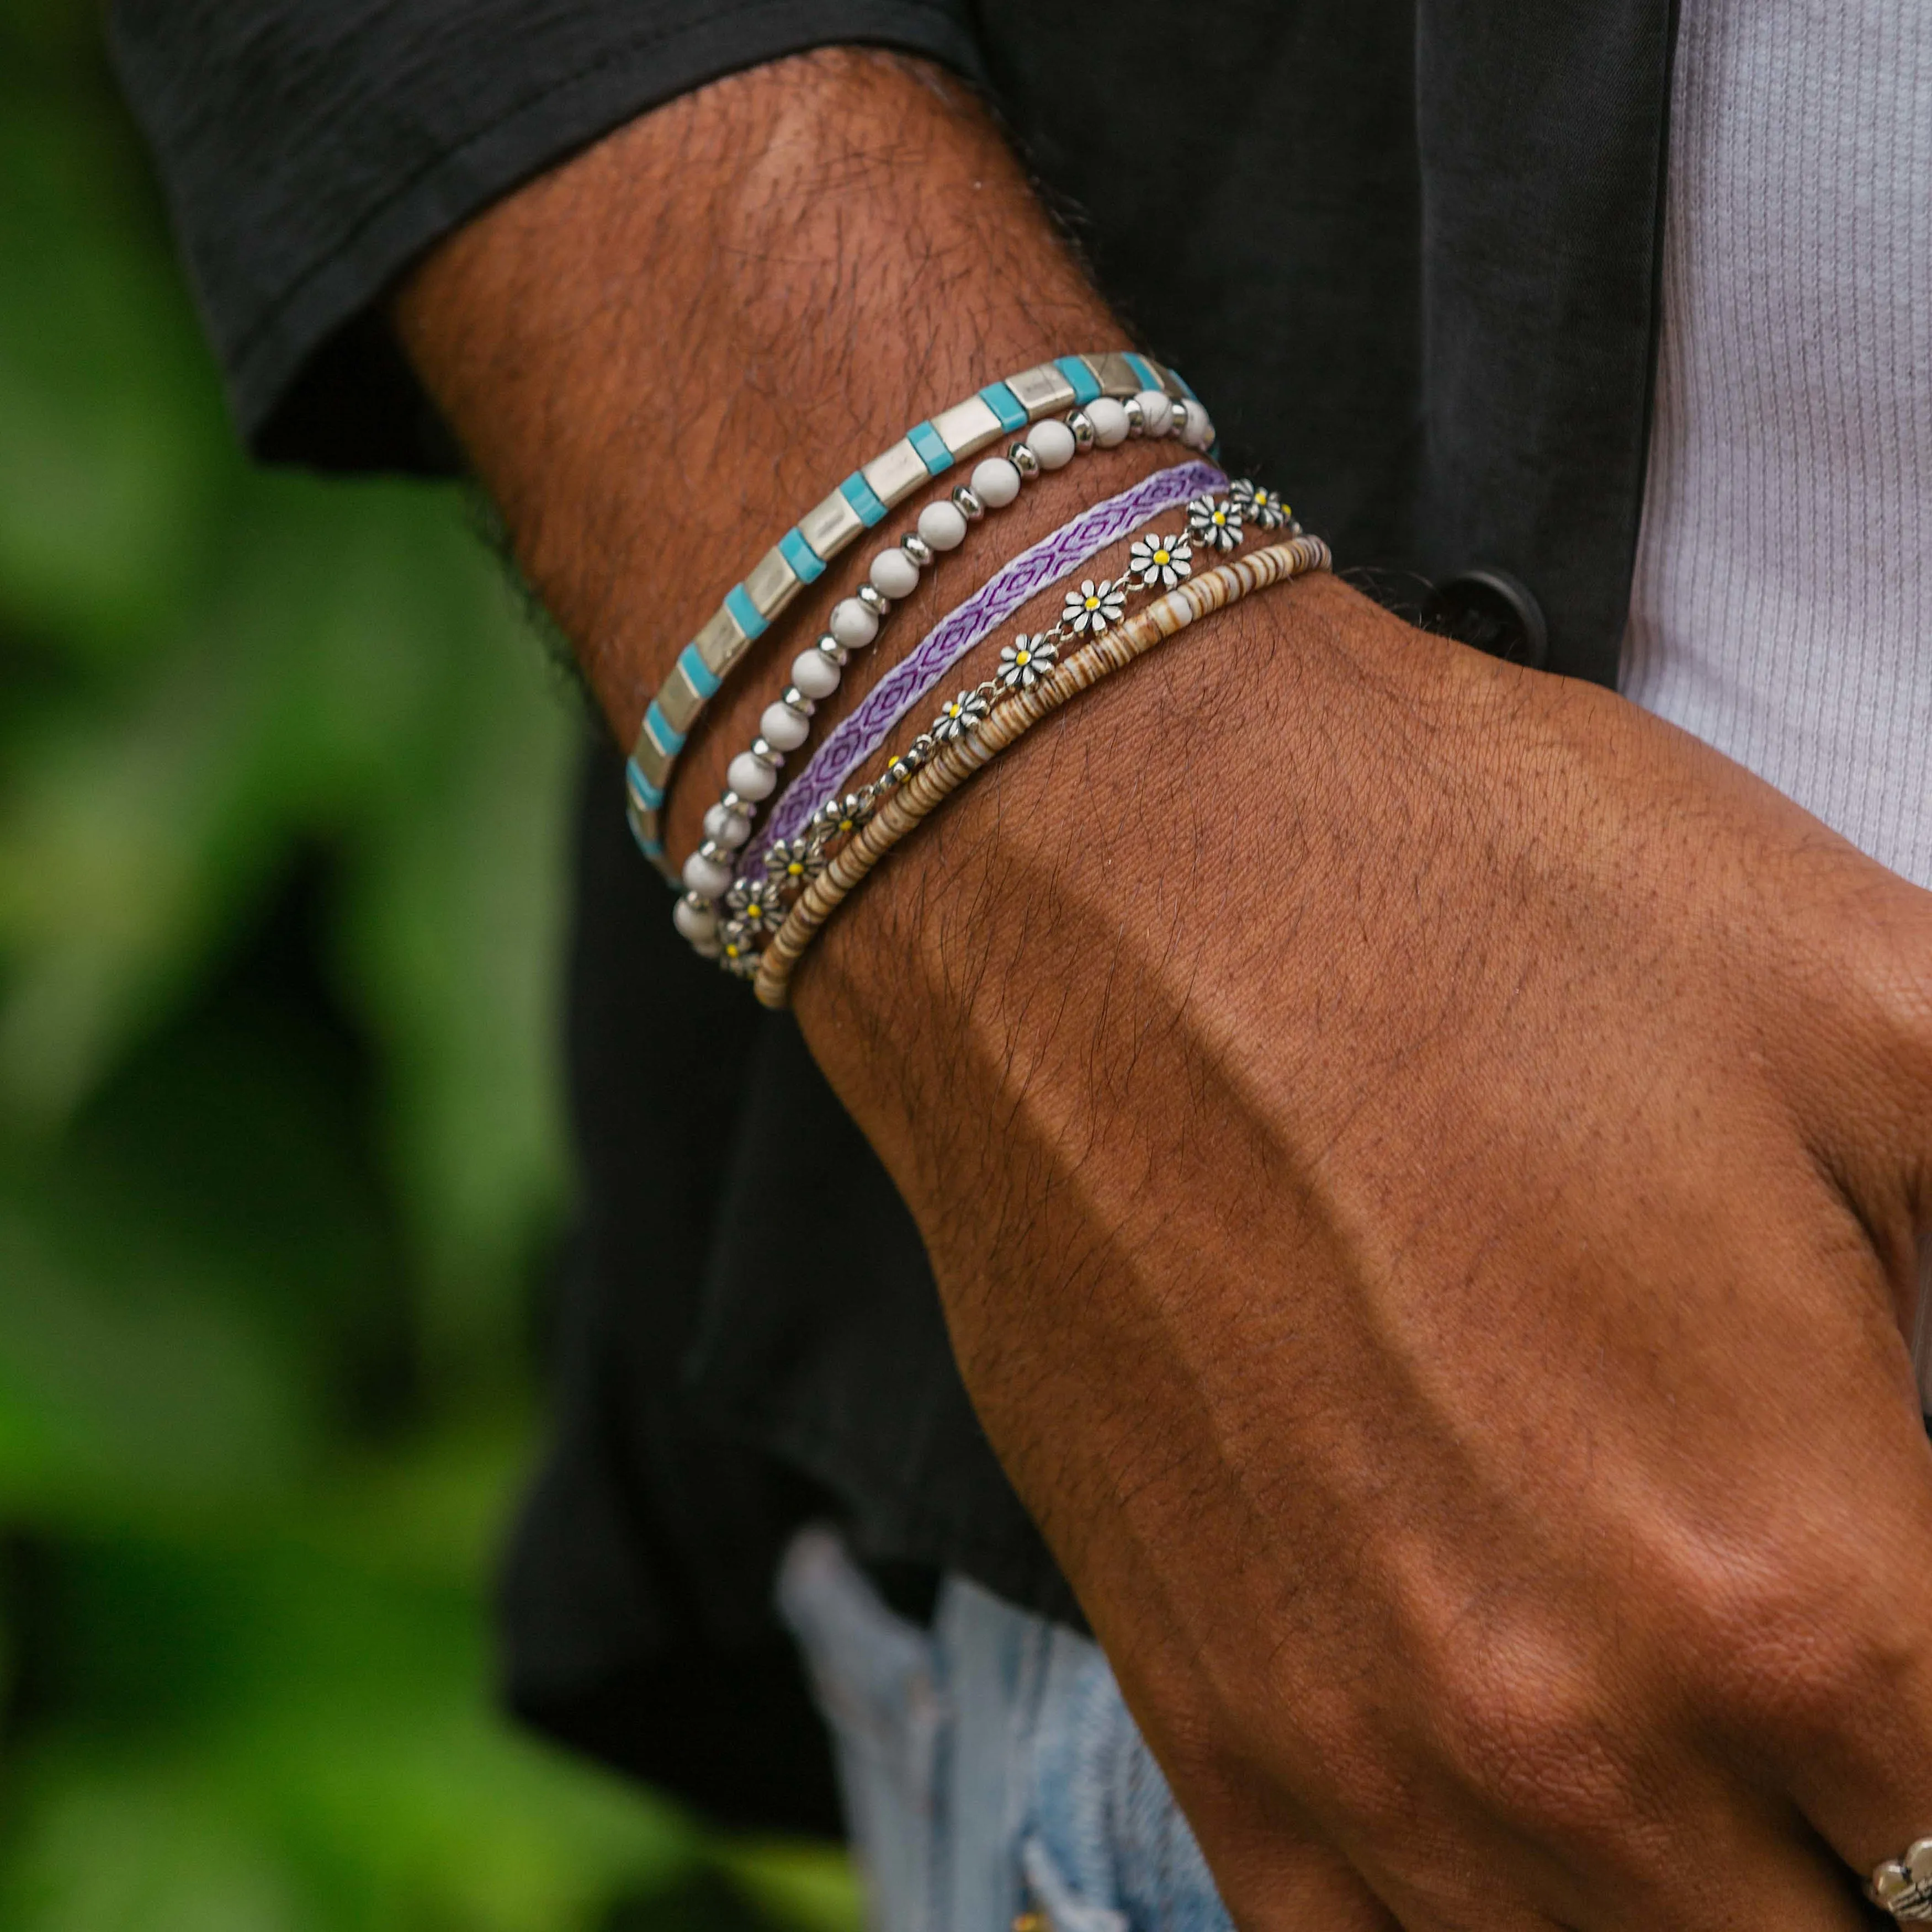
1493 611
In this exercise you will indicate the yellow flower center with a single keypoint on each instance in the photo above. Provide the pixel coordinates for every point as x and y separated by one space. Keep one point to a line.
1161 556
1220 516
1023 657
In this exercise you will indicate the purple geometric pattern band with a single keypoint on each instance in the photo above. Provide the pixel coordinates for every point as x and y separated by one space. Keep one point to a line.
1054 557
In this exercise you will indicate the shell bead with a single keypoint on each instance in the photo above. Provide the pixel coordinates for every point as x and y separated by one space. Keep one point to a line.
996 482
1052 442
1109 419
814 673
942 525
751 778
893 574
1157 414
695 919
706 877
725 827
783 728
852 625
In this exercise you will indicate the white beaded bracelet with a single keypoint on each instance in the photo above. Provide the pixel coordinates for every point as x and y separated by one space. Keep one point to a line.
785 724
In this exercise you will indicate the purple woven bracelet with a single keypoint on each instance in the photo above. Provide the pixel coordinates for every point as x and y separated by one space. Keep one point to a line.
1054 557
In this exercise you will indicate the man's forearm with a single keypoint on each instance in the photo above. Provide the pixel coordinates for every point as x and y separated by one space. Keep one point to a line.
660 354
1372 1111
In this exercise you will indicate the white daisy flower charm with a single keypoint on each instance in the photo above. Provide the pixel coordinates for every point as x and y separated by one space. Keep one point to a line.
1215 522
1160 563
1093 607
1024 661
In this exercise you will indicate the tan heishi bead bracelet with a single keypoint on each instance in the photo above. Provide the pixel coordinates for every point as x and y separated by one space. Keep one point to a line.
954 764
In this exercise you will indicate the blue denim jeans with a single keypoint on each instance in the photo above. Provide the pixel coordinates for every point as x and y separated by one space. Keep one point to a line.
989 1765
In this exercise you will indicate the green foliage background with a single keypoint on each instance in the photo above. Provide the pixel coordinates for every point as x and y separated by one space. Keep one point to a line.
282 783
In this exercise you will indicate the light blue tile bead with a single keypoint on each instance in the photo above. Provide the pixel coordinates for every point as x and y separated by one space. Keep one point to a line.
932 450
744 611
647 795
1187 388
1143 369
703 679
858 494
1086 387
1004 404
805 562
659 725
652 848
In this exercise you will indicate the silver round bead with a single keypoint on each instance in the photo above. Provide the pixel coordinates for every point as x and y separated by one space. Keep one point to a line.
966 501
828 646
731 802
795 700
1177 411
1082 424
917 547
718 855
873 599
1023 459
1136 416
767 753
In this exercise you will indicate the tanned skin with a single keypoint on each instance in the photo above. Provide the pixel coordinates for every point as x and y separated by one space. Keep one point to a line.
1423 1161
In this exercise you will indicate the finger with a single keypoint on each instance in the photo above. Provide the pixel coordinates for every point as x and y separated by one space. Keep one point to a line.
1274 1875
1840 1660
1724 1866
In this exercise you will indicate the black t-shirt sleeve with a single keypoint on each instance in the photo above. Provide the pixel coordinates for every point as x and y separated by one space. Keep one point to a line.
310 149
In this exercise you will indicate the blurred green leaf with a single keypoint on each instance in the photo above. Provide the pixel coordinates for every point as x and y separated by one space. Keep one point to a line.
284 788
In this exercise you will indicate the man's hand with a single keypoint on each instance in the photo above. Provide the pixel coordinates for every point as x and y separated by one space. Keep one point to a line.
1423 1161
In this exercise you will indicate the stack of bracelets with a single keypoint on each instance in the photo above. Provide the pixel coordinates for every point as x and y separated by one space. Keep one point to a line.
754 908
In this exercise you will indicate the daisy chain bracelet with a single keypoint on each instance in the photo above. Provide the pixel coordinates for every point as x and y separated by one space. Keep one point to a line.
913 800
855 623
758 902
863 499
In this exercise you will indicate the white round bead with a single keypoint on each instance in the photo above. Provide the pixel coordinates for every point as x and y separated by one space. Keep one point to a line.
1199 432
694 921
893 574
814 673
852 624
996 482
726 828
1052 442
750 777
705 876
1109 419
1156 413
783 727
942 525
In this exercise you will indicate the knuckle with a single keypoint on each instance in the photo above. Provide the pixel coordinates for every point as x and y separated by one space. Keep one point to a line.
1801 1644
1530 1730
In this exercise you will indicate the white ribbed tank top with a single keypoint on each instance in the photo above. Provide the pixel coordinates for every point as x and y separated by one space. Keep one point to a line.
1782 607
1782 600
